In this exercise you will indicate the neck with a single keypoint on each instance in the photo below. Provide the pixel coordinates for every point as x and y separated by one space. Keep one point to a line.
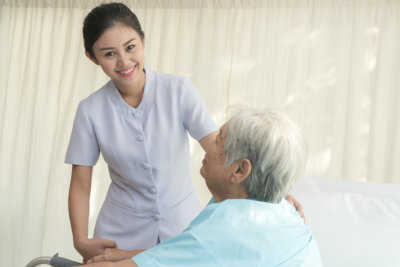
234 194
133 94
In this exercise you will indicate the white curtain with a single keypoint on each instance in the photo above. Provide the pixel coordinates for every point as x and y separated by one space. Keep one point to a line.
333 65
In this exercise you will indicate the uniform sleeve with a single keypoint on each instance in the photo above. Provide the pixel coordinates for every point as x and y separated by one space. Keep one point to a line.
83 148
185 249
195 115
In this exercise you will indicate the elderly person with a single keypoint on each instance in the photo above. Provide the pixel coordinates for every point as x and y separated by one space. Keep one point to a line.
257 157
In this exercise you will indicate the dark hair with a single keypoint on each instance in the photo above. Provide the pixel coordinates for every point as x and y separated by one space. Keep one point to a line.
104 17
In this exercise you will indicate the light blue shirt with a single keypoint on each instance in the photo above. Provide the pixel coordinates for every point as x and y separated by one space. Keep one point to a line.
146 148
239 232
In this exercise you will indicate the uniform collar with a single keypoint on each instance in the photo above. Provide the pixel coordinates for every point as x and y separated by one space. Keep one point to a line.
147 99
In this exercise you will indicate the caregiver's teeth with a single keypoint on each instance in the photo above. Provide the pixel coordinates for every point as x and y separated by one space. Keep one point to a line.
126 71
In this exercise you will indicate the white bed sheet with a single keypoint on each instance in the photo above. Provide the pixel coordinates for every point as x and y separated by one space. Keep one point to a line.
355 223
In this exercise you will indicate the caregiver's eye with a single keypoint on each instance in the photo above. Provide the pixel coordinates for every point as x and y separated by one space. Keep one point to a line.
130 47
109 54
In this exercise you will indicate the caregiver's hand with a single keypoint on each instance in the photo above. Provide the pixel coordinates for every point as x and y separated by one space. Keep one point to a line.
91 247
297 205
123 263
113 254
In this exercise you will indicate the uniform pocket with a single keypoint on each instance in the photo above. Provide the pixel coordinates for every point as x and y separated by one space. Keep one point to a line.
130 228
126 209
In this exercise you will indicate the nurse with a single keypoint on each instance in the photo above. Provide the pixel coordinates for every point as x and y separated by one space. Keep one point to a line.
139 121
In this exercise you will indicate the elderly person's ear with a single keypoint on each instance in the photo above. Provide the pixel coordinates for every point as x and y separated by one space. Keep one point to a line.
242 171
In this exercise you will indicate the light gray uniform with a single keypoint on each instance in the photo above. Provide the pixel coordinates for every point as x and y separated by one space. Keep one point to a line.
146 148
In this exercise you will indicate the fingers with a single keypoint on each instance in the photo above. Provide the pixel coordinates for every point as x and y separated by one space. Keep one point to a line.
96 259
299 209
109 244
291 199
297 205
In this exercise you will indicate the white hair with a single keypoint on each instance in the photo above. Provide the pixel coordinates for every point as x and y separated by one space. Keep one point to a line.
273 144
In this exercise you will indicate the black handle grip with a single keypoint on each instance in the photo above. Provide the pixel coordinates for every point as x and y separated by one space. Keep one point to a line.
62 262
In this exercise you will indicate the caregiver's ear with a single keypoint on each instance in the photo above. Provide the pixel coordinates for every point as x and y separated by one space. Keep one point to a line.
143 39
93 59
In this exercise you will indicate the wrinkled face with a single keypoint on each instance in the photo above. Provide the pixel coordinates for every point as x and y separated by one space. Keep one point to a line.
213 169
120 53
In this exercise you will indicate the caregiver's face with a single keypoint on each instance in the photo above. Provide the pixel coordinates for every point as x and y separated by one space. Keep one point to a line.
120 53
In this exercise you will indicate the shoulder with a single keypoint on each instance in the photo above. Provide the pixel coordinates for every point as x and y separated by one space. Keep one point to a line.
244 204
166 76
97 98
219 211
171 81
249 210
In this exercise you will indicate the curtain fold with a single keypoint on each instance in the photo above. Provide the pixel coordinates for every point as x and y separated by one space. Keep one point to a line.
332 65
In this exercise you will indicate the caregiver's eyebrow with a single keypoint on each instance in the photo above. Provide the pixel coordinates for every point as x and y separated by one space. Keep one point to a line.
110 48
129 41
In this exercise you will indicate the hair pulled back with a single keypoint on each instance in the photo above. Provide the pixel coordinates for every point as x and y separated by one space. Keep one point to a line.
104 17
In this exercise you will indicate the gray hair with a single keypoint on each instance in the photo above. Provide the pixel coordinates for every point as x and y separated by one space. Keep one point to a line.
273 144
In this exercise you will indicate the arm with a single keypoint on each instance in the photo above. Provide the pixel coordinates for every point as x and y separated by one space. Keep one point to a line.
207 140
78 204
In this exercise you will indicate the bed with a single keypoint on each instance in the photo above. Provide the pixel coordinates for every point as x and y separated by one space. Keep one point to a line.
354 223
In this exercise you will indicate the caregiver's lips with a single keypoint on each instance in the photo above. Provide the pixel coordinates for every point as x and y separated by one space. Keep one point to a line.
127 72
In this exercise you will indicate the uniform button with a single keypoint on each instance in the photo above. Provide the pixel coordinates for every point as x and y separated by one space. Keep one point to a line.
156 217
146 166
138 114
153 190
140 138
